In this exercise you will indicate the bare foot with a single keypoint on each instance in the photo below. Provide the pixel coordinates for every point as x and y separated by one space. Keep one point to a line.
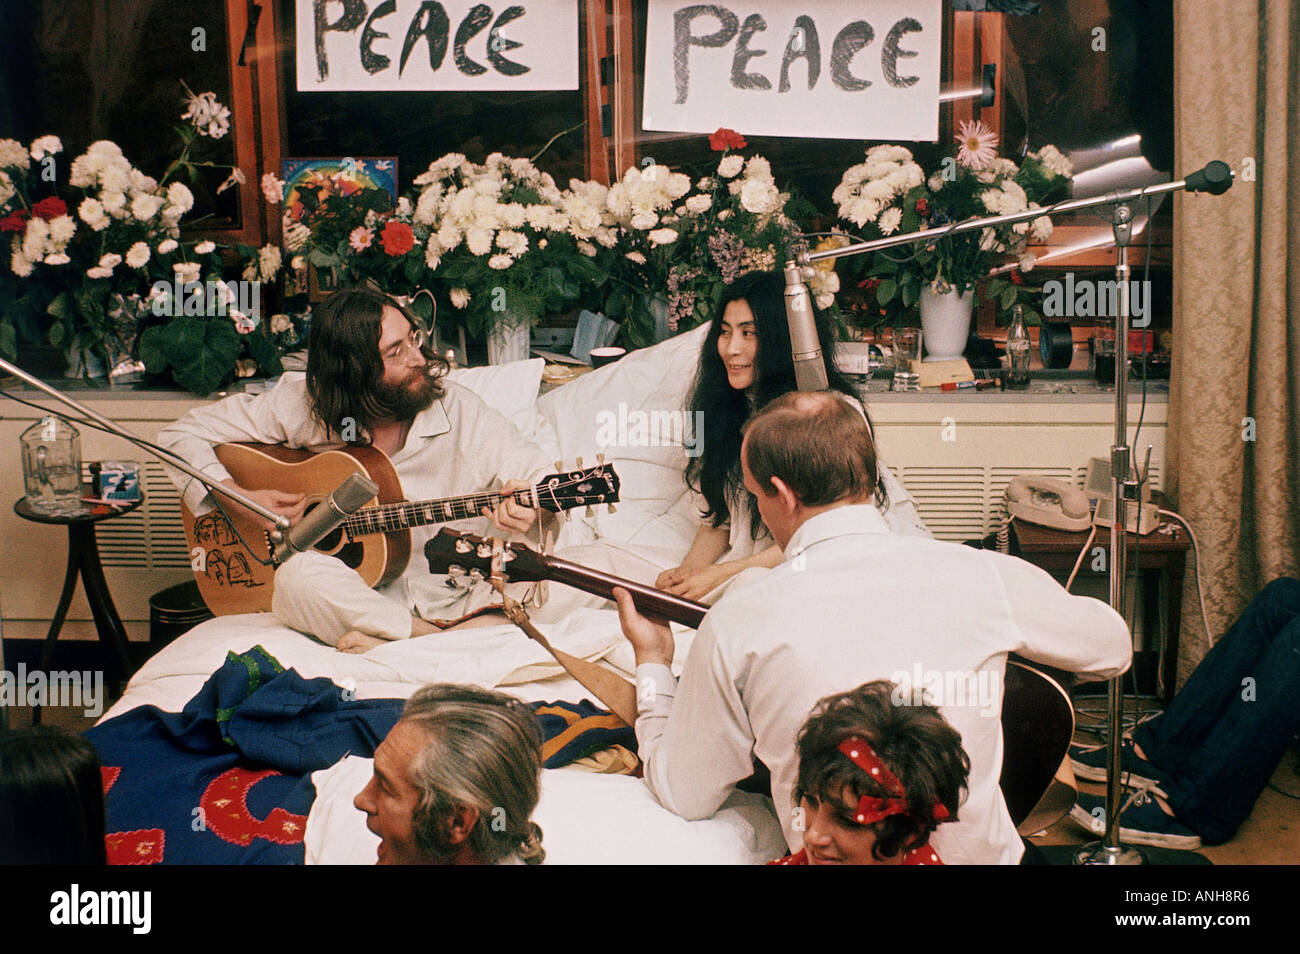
354 642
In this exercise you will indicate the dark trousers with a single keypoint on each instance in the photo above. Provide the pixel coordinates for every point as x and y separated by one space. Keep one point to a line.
1223 735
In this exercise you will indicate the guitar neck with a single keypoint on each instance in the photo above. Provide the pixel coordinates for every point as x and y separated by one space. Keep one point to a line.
647 598
388 518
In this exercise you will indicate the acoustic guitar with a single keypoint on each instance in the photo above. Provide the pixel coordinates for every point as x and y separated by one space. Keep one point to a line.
1037 714
231 559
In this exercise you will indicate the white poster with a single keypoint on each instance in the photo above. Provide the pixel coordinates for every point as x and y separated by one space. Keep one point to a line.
430 45
826 69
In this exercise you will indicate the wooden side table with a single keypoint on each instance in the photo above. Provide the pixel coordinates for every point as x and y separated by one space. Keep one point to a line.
1162 561
83 561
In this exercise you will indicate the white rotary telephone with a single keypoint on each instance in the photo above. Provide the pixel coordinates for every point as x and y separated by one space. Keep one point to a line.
1048 503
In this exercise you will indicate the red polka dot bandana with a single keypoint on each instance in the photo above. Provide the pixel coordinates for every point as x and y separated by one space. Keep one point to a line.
871 808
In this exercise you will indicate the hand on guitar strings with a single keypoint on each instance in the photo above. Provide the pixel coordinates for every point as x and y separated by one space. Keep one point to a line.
510 515
286 504
651 638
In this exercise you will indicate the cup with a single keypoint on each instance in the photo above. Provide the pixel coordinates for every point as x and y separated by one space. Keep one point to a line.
603 356
907 349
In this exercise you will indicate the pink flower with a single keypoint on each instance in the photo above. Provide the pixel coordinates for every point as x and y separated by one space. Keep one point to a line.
360 238
978 145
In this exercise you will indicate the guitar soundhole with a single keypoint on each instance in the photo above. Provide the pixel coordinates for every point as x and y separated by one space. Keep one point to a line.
331 542
352 554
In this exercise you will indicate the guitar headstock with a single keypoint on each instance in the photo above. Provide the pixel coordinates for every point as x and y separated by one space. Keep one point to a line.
583 487
462 554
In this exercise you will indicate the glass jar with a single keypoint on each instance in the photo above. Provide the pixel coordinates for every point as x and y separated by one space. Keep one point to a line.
52 466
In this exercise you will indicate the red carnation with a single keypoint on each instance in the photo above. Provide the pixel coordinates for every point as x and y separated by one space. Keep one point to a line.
15 221
725 139
1017 278
397 238
51 207
869 284
922 206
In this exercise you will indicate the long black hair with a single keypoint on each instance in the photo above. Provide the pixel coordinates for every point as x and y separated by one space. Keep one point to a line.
716 473
51 799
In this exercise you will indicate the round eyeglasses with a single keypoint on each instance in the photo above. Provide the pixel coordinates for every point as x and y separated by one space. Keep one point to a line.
401 351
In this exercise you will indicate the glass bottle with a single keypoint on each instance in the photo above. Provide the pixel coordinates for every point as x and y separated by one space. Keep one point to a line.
52 466
1018 351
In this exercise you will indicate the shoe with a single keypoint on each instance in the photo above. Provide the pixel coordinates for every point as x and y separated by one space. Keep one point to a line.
1089 763
1141 822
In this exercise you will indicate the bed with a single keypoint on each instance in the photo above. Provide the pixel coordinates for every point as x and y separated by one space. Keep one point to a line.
587 818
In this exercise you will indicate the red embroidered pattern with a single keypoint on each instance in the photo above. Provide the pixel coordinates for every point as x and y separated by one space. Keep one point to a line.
109 774
141 847
226 814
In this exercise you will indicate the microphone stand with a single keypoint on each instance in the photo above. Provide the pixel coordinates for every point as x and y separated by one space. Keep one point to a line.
1215 178
281 523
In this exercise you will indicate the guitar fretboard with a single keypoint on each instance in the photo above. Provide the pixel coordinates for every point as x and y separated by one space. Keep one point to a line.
387 518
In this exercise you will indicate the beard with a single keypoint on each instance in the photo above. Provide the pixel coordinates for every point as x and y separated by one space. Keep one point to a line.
404 400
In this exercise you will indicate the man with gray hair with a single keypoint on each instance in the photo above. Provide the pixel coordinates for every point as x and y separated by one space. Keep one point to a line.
456 781
851 603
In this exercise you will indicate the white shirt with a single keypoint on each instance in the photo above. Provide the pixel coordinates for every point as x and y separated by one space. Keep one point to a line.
456 446
852 603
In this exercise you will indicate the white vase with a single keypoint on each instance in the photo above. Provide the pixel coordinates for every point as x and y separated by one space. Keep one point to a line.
945 323
508 342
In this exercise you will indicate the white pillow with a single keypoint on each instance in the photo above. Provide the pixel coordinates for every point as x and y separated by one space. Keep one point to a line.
510 389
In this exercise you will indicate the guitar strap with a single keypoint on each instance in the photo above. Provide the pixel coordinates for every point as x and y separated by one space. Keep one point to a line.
617 694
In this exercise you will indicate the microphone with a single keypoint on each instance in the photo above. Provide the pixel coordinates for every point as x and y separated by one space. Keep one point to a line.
346 500
1215 178
805 347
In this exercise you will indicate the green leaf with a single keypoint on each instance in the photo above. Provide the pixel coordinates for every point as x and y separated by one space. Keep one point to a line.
60 307
152 350
1009 296
8 341
886 291
203 370
57 332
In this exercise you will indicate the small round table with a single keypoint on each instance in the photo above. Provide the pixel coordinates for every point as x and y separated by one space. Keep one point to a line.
83 561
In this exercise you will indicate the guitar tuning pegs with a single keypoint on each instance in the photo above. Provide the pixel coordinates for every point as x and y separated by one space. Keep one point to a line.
464 546
578 462
485 551
454 571
559 465
590 512
476 575
612 508
600 458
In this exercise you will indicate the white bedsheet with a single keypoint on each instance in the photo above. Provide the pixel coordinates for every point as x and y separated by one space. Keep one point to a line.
586 818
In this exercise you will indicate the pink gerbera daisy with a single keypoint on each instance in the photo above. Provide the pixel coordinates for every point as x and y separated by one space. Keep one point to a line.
360 238
978 145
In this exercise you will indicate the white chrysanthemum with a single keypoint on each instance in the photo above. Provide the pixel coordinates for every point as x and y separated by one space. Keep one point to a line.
514 214
449 236
730 166
860 211
1027 261
114 203
7 189
724 214
478 240
166 246
678 185
460 297
1040 229
707 184
645 220
1016 200
180 196
207 115
110 261
35 239
205 248
268 262
935 182
662 236
403 208
605 236
57 258
586 248
516 243
43 146
699 204
280 323
433 254
635 257
878 189
618 202
137 256
426 206
888 153
187 271
98 271
141 182
13 155
145 206
19 262
758 168
500 261
890 220
988 240
1054 160
272 188
759 196
824 301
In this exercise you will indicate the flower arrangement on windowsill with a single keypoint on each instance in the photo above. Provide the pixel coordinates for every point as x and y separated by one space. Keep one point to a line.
84 260
889 193
691 240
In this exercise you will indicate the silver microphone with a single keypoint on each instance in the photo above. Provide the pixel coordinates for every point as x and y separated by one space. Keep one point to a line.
805 347
346 500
